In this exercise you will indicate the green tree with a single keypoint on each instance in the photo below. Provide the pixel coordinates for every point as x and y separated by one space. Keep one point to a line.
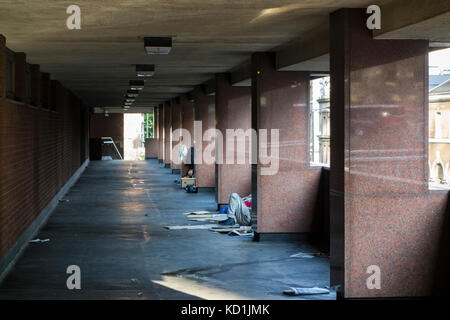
148 125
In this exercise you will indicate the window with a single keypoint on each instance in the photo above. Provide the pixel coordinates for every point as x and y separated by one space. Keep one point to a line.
319 150
439 118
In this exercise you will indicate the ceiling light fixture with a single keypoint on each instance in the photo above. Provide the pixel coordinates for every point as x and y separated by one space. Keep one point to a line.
136 84
157 45
132 93
145 70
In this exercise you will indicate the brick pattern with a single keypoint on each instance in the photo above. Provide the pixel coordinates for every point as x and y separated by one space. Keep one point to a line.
111 126
39 151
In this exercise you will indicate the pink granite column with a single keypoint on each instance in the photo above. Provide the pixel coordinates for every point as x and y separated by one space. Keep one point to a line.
233 111
285 192
167 132
382 213
187 117
204 114
175 163
161 133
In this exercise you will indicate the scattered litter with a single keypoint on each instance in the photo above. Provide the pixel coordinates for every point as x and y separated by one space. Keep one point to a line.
191 188
321 255
240 232
302 255
310 255
140 294
133 280
227 229
39 240
200 213
305 291
63 200
191 227
208 217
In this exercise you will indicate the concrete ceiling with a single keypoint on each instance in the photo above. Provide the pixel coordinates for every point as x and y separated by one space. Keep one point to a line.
211 36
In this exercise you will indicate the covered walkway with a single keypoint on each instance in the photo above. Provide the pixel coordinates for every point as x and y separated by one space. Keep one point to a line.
112 227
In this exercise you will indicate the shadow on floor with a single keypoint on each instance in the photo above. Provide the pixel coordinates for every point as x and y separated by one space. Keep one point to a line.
112 228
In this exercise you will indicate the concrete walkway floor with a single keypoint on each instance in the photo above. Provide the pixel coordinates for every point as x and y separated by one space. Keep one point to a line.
112 228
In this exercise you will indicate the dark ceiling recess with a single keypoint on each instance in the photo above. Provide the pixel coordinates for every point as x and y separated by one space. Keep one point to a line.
136 84
157 45
145 70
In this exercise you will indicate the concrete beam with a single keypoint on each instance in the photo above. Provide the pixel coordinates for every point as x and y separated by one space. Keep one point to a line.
242 75
415 19
209 87
308 53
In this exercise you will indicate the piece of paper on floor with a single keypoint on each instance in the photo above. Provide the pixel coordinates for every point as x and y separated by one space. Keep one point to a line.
302 255
305 291
192 227
40 240
199 213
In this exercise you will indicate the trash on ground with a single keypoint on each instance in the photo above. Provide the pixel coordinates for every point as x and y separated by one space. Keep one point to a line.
228 229
200 213
310 255
63 200
207 217
192 227
39 240
191 188
302 255
305 291
238 211
321 255
240 232
140 294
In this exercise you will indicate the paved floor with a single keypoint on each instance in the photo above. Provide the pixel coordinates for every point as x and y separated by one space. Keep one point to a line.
112 228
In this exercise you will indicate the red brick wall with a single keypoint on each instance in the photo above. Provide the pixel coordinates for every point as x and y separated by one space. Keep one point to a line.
39 151
110 126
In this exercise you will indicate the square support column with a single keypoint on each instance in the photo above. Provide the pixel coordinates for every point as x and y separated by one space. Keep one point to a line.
187 117
161 133
45 90
285 192
233 111
20 77
175 134
35 85
382 212
167 133
205 114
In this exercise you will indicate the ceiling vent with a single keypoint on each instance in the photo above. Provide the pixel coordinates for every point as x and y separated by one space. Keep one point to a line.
136 84
145 70
157 45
